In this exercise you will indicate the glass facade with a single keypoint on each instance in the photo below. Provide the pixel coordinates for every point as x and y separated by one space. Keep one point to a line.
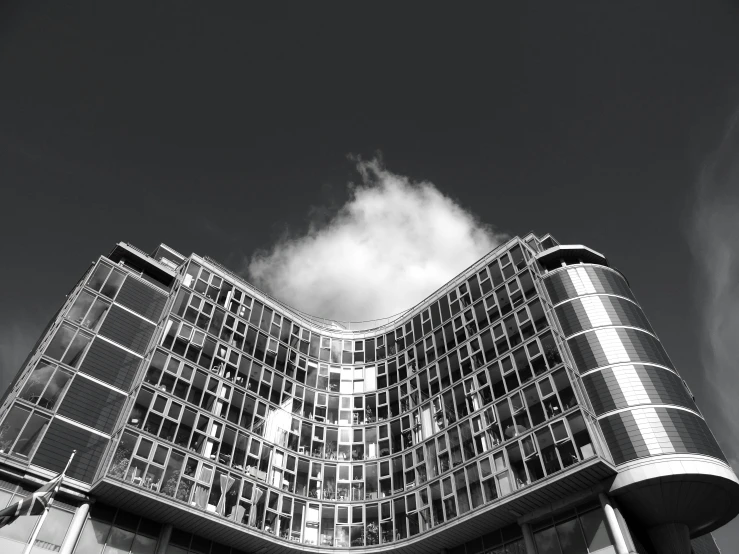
335 440
578 531
178 380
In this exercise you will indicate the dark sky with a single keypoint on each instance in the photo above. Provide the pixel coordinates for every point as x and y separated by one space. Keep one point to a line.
212 127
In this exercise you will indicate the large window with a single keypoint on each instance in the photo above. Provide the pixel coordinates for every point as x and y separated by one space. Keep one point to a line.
21 431
45 385
584 533
68 345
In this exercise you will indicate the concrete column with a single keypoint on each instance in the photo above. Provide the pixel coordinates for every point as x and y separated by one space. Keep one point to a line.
75 529
671 538
624 527
528 538
164 535
613 526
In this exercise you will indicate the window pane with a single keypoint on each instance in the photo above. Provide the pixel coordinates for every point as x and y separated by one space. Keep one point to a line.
113 284
93 537
95 315
570 537
143 545
546 542
119 542
517 547
80 307
31 434
54 390
98 278
61 340
11 427
74 354
504 482
594 527
37 381
55 527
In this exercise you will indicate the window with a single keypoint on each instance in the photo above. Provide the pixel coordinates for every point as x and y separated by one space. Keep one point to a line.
106 280
68 345
88 310
577 534
54 529
21 431
45 385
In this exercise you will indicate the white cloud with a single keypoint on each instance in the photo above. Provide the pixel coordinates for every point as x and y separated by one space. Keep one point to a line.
389 246
715 245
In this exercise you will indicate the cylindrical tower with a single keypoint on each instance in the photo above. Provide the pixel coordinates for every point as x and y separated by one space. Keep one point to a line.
673 478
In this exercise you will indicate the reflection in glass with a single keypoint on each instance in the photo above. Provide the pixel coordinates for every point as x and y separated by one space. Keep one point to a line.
33 431
93 536
570 537
119 542
144 545
546 541
80 307
594 527
60 342
11 427
34 387
54 390
55 527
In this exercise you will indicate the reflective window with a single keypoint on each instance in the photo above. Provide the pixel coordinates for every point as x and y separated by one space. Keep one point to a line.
45 385
331 440
68 345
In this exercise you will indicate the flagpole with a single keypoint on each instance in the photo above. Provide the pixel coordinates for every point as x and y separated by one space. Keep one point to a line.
41 520
67 466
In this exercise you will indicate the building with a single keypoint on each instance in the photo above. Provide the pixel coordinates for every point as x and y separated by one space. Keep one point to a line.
525 407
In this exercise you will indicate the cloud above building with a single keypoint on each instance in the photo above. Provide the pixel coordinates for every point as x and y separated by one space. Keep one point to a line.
393 242
715 245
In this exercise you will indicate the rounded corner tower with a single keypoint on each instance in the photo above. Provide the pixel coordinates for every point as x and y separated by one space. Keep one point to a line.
672 475
526 407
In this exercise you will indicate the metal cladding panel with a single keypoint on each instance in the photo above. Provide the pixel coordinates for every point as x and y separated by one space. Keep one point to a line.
705 545
586 313
612 343
110 364
622 386
578 280
652 431
92 404
142 298
603 347
58 443
126 329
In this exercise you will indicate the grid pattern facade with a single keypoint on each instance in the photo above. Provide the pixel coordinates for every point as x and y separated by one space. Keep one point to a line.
76 386
209 397
341 442
235 407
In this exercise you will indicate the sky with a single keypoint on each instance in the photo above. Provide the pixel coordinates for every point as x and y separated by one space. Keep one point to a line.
319 147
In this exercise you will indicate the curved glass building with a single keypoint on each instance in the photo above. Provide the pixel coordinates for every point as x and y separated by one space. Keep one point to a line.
525 407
